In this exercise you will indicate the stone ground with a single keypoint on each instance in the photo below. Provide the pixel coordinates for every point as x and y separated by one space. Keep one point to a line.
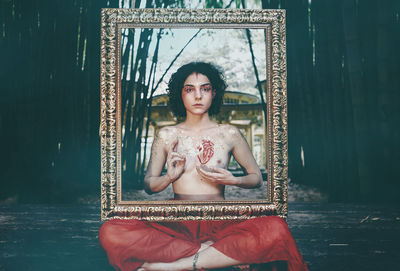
330 236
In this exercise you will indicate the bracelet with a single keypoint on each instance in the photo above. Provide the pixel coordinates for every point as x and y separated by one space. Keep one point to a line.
196 257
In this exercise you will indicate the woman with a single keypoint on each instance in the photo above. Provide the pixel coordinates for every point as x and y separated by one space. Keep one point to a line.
197 152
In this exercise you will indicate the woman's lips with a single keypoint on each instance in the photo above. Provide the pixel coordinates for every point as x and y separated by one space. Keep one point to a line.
198 105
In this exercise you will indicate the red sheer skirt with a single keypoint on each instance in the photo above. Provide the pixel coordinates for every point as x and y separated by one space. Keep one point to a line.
130 243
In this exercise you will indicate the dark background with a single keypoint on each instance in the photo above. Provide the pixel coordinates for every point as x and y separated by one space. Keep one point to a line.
343 97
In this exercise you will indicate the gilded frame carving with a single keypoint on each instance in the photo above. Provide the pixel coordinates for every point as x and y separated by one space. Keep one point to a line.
112 20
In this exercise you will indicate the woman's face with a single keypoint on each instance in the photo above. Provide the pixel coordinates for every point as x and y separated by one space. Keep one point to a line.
197 94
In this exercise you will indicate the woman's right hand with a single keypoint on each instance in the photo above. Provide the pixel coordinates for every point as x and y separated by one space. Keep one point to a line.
175 162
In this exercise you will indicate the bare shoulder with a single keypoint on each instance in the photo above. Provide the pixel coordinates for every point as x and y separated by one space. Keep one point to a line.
230 133
229 130
166 135
166 131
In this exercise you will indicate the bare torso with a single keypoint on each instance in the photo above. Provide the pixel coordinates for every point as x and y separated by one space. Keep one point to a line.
208 148
198 159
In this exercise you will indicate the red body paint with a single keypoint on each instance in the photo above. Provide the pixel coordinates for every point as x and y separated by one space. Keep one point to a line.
206 151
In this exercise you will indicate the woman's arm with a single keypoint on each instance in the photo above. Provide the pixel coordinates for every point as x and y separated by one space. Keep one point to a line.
241 152
162 151
243 155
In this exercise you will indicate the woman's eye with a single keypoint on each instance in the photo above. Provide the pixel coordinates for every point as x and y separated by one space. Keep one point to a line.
207 89
188 89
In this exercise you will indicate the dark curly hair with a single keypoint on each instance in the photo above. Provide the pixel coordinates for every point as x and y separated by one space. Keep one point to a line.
175 86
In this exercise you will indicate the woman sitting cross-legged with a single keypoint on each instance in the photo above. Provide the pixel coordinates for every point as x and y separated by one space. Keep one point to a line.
197 152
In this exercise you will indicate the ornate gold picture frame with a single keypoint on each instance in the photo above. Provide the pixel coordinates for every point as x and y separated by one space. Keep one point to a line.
275 202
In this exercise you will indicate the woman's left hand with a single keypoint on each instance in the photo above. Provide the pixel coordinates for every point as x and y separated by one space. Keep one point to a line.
217 175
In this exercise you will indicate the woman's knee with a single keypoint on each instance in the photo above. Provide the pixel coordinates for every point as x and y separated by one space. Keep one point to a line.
274 227
106 233
112 231
117 232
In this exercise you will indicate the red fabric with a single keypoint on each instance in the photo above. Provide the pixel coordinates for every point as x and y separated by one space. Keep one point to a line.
129 243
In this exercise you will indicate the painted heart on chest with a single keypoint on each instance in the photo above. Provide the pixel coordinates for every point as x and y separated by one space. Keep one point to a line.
206 151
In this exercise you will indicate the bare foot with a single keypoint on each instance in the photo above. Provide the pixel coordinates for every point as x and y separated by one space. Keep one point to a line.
173 266
205 245
158 267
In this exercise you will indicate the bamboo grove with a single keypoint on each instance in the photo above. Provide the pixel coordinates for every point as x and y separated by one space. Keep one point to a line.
343 96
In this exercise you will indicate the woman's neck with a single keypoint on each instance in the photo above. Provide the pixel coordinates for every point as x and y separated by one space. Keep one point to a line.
197 122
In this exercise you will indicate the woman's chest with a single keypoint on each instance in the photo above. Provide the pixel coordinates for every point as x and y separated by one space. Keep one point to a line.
204 150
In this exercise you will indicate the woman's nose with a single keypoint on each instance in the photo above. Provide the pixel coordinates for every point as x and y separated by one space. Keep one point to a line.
197 94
